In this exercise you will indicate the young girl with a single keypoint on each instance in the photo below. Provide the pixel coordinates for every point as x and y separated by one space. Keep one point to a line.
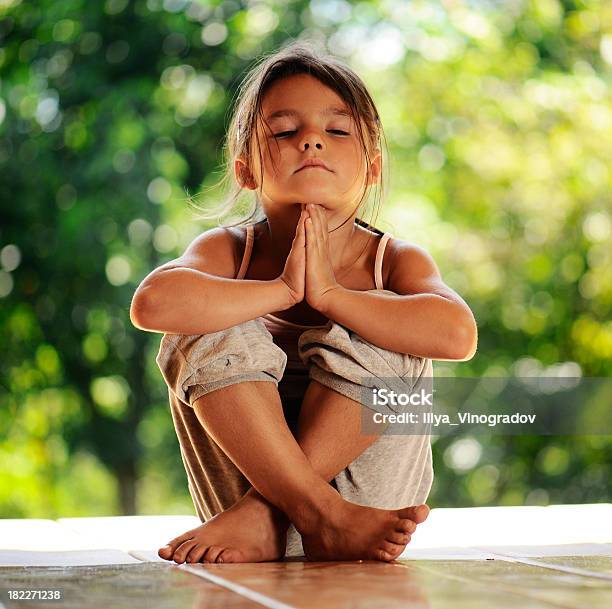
276 459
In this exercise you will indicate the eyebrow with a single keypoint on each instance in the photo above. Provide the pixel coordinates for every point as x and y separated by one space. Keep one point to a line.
331 110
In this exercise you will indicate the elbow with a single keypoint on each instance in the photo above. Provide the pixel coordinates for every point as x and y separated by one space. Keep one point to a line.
140 309
465 341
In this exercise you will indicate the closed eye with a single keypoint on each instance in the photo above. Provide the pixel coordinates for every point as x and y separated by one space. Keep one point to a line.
284 133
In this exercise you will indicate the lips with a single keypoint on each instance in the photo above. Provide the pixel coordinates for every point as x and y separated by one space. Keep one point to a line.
313 163
313 167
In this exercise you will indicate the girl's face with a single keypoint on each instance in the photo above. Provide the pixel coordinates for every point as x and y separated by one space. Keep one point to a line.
308 120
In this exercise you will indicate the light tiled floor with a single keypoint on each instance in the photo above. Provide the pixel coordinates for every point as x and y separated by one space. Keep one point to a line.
555 556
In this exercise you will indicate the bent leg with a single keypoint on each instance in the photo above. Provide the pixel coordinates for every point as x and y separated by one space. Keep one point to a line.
216 364
375 470
385 471
254 434
193 365
214 482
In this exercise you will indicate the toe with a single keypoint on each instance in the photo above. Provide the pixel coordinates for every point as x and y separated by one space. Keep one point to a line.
392 549
406 526
165 552
417 513
170 548
183 550
210 554
401 539
226 556
230 555
196 553
422 513
213 552
383 555
177 541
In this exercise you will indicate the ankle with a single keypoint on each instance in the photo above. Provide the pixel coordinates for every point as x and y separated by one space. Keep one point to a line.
309 514
268 510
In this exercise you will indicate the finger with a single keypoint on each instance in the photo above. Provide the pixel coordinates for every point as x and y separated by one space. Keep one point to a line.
309 232
323 216
324 223
324 231
309 237
301 232
317 226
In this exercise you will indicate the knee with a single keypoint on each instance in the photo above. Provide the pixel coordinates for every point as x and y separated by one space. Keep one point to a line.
245 351
343 351
346 362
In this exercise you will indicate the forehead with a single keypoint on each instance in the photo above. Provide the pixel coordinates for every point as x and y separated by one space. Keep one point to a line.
301 93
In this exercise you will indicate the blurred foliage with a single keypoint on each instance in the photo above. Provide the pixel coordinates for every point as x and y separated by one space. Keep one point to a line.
500 135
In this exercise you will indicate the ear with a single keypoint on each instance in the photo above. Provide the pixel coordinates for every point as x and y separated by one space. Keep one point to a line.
243 175
375 168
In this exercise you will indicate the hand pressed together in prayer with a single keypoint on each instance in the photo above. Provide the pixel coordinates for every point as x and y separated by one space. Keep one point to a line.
308 271
320 277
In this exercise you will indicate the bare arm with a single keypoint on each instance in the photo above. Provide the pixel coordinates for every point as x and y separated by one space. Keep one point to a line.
424 317
197 294
425 325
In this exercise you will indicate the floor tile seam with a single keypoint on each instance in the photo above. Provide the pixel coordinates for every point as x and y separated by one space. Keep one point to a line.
547 565
244 591
501 588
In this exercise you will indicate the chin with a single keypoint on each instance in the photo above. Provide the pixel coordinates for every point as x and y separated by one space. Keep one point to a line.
313 193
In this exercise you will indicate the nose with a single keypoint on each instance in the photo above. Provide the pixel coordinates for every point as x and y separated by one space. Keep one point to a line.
311 139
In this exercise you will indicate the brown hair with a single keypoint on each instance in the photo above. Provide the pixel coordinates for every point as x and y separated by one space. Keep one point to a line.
297 57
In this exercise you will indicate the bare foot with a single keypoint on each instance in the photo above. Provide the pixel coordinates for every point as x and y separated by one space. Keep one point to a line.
353 532
250 531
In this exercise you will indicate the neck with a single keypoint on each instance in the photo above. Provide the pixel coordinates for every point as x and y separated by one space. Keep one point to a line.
280 230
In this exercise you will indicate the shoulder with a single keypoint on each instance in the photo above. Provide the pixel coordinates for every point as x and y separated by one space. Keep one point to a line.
215 251
403 252
412 270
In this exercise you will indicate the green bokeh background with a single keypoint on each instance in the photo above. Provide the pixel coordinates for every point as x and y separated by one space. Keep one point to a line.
498 117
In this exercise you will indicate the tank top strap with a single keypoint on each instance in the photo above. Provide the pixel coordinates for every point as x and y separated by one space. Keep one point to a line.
380 252
246 256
